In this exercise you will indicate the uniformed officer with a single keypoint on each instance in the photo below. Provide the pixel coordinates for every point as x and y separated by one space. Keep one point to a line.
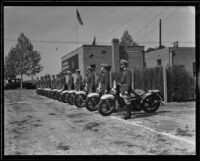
78 82
41 82
57 81
52 81
104 79
70 81
63 80
85 80
91 79
37 82
126 81
48 81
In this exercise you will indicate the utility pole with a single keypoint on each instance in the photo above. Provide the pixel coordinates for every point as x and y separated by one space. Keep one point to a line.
160 34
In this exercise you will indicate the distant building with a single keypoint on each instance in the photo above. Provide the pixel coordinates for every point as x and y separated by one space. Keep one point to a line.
87 55
181 56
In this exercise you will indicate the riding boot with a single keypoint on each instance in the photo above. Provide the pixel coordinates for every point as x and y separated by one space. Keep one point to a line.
128 112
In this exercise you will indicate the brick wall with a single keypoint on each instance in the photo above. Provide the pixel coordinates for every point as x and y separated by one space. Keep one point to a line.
134 55
96 55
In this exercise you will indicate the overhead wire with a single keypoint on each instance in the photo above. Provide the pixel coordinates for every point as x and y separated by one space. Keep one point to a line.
149 22
158 25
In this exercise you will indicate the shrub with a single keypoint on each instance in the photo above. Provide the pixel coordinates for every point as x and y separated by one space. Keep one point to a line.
180 85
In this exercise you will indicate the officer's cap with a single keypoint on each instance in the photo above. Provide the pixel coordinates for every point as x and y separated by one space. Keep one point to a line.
89 68
123 61
69 72
78 70
103 65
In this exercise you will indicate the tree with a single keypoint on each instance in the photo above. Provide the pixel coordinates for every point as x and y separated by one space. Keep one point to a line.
156 48
9 69
150 49
127 40
23 59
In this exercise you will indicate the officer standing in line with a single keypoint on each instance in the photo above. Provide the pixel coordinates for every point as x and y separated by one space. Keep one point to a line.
70 81
49 81
78 83
57 81
91 79
63 80
85 80
41 82
126 82
37 83
45 81
52 82
104 79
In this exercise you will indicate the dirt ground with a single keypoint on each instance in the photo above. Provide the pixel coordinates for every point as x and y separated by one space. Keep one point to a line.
36 125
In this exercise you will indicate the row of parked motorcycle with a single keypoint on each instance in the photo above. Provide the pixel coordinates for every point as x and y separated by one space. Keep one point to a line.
106 103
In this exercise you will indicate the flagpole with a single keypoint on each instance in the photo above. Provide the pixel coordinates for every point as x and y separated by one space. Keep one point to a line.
77 33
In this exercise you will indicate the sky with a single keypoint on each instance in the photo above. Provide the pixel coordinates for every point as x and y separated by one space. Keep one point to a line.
54 31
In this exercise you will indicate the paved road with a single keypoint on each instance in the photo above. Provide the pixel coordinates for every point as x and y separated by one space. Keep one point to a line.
38 125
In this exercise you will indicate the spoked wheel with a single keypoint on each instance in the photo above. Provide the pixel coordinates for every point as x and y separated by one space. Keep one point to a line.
151 104
70 99
106 107
91 103
64 97
79 100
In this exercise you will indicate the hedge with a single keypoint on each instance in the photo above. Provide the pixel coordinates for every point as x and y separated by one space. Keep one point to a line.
181 86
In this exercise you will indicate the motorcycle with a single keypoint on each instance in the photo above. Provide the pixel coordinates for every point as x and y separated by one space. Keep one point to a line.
93 99
59 95
80 97
148 102
71 95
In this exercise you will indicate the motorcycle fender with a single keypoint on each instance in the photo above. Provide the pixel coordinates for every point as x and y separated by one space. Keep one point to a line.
93 95
59 90
72 91
107 96
81 92
146 95
65 91
55 90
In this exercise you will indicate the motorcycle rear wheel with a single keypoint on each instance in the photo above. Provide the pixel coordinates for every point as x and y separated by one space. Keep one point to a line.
151 104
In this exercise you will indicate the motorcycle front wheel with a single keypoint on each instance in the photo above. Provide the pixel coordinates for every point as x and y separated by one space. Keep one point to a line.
91 103
106 107
79 100
64 97
70 98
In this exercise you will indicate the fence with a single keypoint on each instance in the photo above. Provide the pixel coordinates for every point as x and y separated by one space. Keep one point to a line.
174 83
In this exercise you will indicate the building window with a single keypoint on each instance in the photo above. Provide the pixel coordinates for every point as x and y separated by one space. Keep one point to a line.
159 62
194 69
91 55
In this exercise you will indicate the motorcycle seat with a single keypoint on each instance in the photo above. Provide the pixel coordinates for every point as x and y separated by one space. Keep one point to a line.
153 91
139 92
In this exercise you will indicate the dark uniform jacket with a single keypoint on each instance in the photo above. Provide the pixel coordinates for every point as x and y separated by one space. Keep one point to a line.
105 81
38 84
126 81
91 82
41 83
53 83
79 82
71 83
57 83
49 82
